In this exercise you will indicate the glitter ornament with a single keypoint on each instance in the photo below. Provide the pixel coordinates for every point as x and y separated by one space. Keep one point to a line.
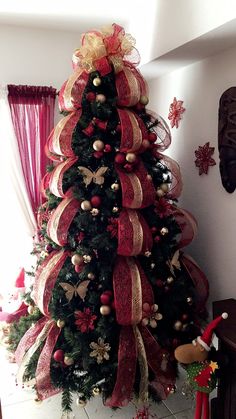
97 81
164 231
94 212
98 145
96 201
87 258
86 205
115 209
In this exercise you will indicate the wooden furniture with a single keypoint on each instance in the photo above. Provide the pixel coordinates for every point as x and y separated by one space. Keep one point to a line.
224 405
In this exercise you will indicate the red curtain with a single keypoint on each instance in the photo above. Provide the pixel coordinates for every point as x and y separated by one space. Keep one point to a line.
32 110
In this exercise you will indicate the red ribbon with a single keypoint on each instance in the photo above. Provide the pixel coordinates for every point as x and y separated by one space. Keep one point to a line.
46 277
61 219
137 189
71 93
60 139
134 235
55 183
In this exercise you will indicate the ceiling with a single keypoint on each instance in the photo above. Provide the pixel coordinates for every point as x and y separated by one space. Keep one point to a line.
169 34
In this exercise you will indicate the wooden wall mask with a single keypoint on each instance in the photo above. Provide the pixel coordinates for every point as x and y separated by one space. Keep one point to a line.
227 139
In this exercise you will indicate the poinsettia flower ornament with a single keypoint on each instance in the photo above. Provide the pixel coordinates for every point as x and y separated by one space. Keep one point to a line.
204 158
175 112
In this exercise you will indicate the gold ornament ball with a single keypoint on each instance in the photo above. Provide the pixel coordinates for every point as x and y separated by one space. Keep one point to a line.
98 145
30 309
60 323
115 186
91 275
115 209
96 391
86 205
170 279
97 81
68 360
164 231
153 265
160 193
101 98
76 259
164 187
178 325
189 300
87 258
105 310
144 100
131 157
95 212
81 402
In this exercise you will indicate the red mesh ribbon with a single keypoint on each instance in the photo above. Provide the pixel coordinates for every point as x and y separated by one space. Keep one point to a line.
127 87
60 139
162 131
134 235
44 386
71 93
61 219
187 224
175 175
44 329
129 276
45 183
127 359
56 177
137 189
133 131
199 280
46 277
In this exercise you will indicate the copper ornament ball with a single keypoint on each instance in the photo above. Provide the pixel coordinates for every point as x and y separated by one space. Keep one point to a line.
98 145
86 205
97 81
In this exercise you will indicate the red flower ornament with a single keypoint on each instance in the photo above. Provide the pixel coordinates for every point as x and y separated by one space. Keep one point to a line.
163 208
204 159
84 320
175 112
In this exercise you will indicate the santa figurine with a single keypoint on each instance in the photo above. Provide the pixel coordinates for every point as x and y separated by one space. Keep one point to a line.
200 369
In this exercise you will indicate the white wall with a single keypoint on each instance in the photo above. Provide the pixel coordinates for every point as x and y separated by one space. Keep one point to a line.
200 87
36 56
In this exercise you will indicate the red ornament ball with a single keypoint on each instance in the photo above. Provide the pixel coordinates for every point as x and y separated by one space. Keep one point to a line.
120 158
98 154
128 167
107 148
105 299
90 96
58 355
108 292
152 137
48 248
159 283
145 144
79 268
157 239
153 230
118 128
96 201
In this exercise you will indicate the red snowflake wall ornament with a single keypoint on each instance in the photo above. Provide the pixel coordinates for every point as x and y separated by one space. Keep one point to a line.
204 159
175 112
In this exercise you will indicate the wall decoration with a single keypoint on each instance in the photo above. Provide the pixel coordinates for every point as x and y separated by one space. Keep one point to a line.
204 159
175 112
227 139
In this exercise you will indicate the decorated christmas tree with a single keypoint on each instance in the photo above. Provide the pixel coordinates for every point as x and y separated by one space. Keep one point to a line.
113 293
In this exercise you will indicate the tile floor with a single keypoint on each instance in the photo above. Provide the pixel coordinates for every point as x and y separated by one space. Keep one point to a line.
18 403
